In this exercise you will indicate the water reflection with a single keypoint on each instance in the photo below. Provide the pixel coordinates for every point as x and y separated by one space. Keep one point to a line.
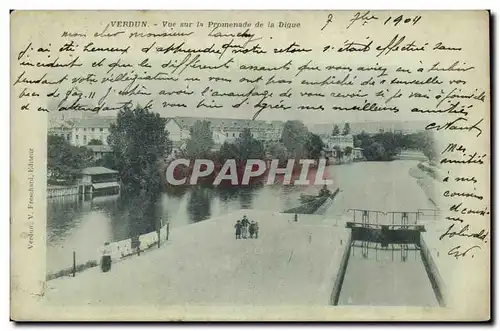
199 204
386 276
84 225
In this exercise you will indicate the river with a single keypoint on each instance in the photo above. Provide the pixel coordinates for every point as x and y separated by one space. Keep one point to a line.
84 225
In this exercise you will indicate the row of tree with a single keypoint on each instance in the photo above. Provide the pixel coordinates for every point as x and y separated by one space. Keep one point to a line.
296 141
345 131
385 146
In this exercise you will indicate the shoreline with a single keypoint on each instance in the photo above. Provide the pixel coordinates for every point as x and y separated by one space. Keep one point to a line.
426 182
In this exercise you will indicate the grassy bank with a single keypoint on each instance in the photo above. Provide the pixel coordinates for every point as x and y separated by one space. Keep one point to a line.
426 181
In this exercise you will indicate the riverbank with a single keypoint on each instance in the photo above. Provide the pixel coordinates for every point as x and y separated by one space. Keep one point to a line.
426 181
124 249
60 190
119 250
286 264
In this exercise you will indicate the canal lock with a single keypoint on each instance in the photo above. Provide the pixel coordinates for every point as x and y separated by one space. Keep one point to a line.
400 237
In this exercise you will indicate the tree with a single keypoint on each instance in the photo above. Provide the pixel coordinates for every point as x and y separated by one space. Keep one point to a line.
228 151
249 148
391 143
139 143
347 129
294 137
94 142
428 146
362 140
245 147
65 161
279 151
201 141
375 152
314 146
336 130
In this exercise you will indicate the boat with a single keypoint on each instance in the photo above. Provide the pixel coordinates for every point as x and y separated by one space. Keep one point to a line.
305 198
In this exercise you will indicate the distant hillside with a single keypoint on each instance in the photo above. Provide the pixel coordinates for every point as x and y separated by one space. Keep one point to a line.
371 127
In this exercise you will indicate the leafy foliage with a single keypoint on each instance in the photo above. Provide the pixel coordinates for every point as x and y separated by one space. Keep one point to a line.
245 147
386 145
348 151
249 147
139 143
279 151
200 141
295 137
336 130
347 129
314 146
94 142
65 161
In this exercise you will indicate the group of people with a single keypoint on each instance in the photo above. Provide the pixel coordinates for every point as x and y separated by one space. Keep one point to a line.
245 228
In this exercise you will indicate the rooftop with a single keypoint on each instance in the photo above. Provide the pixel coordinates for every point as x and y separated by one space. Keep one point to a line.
102 122
99 148
226 123
97 171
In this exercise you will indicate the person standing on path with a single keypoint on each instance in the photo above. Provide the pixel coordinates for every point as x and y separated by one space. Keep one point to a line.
244 223
238 227
106 258
251 229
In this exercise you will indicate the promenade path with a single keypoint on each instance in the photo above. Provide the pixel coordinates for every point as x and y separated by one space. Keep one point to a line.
289 264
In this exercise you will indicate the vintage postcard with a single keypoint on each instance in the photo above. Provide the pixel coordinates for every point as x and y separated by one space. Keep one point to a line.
250 166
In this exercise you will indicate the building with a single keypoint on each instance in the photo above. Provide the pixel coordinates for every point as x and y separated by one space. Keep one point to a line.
99 150
86 129
81 131
61 129
99 181
357 154
225 129
405 127
333 144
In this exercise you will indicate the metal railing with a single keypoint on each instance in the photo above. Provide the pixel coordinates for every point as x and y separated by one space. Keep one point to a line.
435 213
375 248
370 217
365 215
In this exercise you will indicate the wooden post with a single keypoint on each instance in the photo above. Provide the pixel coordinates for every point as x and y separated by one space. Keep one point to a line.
168 229
159 232
74 263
